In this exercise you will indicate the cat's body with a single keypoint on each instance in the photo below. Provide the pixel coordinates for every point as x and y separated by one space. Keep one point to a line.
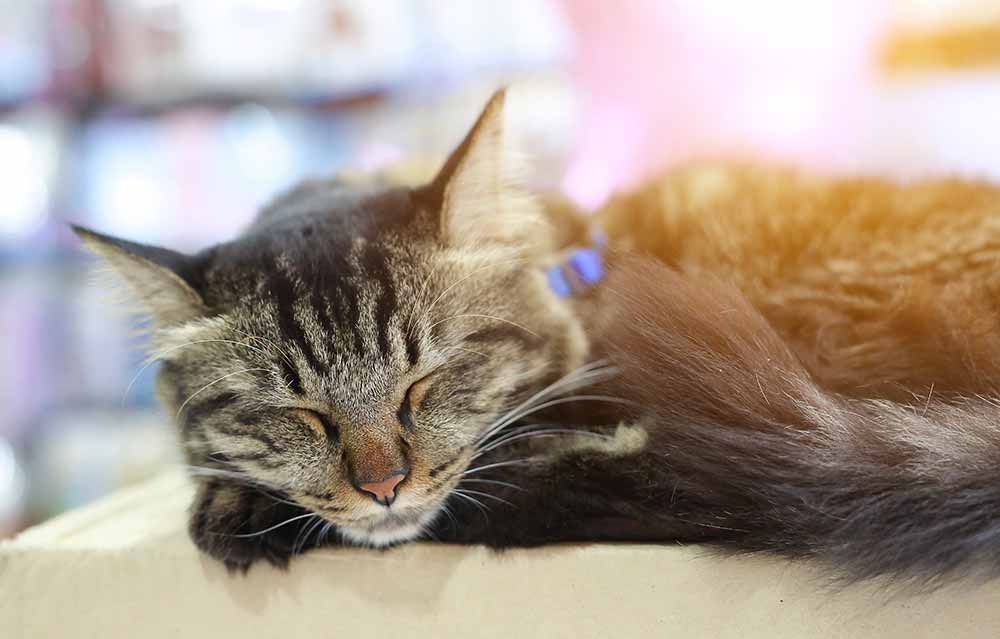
401 346
735 444
881 289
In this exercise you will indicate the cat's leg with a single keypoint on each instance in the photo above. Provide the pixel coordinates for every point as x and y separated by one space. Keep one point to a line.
240 525
587 489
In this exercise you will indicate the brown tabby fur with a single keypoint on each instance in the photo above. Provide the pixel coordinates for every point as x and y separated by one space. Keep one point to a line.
881 289
736 390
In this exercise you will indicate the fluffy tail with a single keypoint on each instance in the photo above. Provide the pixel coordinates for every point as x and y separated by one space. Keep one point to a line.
760 458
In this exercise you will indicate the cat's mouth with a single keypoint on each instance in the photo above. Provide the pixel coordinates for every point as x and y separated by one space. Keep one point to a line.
408 517
389 528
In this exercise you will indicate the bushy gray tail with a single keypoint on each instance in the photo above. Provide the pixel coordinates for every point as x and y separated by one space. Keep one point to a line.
760 458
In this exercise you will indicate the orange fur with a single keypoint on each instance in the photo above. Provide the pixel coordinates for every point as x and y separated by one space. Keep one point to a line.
882 289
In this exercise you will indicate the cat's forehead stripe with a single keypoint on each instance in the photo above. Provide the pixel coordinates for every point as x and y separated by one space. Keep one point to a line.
375 266
282 289
339 317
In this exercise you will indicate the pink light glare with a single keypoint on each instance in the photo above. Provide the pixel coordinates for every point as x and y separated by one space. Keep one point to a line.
664 80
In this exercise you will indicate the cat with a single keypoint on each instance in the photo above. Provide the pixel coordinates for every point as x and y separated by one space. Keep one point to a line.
370 364
881 289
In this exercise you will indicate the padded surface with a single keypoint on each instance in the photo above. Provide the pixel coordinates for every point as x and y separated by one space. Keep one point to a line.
124 567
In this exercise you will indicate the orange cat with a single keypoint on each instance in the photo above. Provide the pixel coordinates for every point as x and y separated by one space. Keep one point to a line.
881 289
763 355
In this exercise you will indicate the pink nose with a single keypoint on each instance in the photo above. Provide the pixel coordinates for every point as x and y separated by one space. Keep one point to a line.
383 491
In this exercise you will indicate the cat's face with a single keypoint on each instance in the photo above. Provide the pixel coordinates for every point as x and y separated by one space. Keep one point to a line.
352 347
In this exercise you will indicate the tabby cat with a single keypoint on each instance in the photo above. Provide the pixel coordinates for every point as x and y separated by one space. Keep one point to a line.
773 363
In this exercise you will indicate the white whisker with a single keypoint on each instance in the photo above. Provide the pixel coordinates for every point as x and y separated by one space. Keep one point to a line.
480 505
491 481
239 477
577 376
482 494
159 355
512 462
451 515
325 535
215 472
566 400
504 432
213 383
274 527
490 317
277 347
526 409
550 432
467 350
298 547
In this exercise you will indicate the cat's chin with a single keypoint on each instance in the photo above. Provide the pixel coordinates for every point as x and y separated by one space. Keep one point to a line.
389 530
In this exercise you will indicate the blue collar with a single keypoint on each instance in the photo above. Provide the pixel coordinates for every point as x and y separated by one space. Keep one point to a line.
583 268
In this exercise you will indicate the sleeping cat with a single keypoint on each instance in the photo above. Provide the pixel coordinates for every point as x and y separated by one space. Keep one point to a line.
371 364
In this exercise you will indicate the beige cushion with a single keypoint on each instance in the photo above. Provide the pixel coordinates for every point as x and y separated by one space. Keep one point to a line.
124 568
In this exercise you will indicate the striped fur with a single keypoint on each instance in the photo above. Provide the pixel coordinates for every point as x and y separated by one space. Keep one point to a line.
349 330
355 329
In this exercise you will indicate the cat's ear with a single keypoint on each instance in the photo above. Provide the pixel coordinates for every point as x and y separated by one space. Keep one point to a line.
480 200
162 281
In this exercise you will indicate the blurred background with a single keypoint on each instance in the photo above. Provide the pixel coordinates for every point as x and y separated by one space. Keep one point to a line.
171 121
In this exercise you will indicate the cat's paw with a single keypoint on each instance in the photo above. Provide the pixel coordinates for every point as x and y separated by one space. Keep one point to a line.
240 526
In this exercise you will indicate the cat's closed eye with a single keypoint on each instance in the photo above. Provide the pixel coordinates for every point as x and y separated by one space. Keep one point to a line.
412 400
320 423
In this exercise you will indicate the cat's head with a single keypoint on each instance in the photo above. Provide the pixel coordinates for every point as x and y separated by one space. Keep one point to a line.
353 345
